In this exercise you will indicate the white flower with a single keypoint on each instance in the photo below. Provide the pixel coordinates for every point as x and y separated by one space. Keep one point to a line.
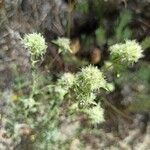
66 80
126 53
35 43
91 77
96 114
63 44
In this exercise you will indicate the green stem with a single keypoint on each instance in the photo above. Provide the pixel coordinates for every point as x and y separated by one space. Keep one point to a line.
115 61
34 72
69 18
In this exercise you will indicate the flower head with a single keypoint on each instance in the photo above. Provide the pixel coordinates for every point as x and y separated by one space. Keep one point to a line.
96 114
66 80
127 53
87 81
91 77
35 43
63 85
63 44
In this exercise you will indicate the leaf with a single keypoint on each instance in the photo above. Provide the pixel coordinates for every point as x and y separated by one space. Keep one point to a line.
100 35
146 43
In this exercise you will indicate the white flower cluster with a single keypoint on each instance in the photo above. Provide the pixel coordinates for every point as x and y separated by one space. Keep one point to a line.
96 114
91 78
35 43
63 85
87 82
63 44
84 84
126 53
66 80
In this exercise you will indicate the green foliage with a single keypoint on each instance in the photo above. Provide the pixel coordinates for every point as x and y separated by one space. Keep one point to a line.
146 43
122 32
144 73
82 6
97 7
100 36
139 82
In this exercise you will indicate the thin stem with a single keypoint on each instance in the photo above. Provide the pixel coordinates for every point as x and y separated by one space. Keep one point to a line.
34 73
115 61
69 18
117 110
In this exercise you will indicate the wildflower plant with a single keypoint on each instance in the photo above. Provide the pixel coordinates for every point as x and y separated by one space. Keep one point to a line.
35 43
85 84
36 46
41 108
90 80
